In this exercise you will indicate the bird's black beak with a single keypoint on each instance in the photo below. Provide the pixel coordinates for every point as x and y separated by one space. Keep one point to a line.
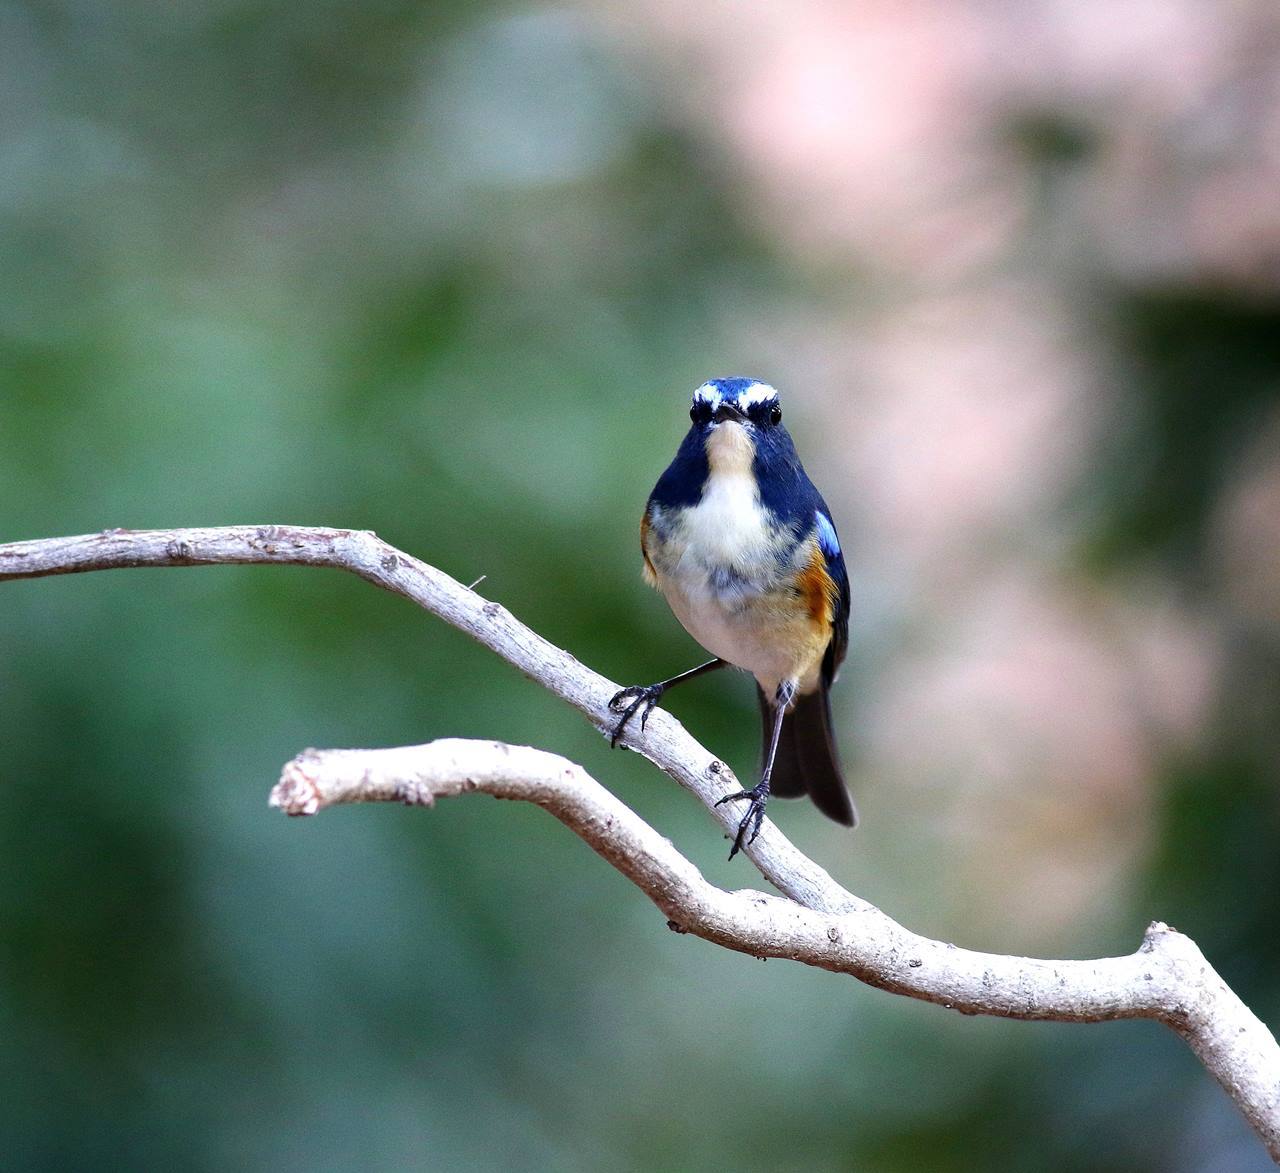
729 411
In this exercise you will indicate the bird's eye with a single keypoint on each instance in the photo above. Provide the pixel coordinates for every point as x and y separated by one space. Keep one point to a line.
775 414
700 412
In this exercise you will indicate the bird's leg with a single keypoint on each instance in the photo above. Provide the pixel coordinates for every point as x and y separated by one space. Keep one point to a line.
749 828
641 698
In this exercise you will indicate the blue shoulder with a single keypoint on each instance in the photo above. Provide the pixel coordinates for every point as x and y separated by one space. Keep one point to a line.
827 538
829 544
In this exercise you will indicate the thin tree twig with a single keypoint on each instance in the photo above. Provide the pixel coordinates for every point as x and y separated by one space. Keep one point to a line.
1167 979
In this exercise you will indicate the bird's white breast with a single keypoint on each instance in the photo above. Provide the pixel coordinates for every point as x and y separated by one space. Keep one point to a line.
724 566
724 545
726 530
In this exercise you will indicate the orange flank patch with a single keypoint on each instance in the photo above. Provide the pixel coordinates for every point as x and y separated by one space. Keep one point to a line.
650 573
817 588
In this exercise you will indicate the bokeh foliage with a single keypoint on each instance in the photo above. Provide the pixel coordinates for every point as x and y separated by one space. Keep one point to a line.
447 272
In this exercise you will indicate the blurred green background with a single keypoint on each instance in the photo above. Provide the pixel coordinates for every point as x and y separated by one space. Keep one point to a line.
450 272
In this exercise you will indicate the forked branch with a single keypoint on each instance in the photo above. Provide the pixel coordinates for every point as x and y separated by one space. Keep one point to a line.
821 924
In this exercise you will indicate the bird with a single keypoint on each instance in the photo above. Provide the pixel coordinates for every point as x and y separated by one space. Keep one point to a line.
742 546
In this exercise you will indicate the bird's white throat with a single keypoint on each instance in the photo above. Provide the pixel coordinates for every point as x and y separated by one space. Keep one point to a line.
727 528
730 451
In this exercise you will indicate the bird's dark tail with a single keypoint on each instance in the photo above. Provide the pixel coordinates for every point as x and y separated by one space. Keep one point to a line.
807 762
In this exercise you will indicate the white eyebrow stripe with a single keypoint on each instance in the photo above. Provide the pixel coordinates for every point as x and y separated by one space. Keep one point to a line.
757 393
708 394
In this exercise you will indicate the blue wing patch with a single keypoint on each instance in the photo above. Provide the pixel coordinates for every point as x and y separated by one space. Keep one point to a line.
827 539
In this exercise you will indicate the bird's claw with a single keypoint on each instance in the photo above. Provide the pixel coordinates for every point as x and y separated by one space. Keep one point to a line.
749 827
642 697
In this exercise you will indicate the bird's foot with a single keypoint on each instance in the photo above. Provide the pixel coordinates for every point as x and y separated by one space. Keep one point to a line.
749 828
639 698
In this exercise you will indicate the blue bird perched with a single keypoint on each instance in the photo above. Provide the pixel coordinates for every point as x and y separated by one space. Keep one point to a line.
742 546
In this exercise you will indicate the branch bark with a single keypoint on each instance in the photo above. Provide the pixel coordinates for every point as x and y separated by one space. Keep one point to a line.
821 924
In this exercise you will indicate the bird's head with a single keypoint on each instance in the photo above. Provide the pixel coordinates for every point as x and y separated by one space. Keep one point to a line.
737 421
745 402
737 432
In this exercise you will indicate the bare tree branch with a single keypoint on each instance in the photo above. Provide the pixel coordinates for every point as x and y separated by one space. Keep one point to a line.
665 742
1167 979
